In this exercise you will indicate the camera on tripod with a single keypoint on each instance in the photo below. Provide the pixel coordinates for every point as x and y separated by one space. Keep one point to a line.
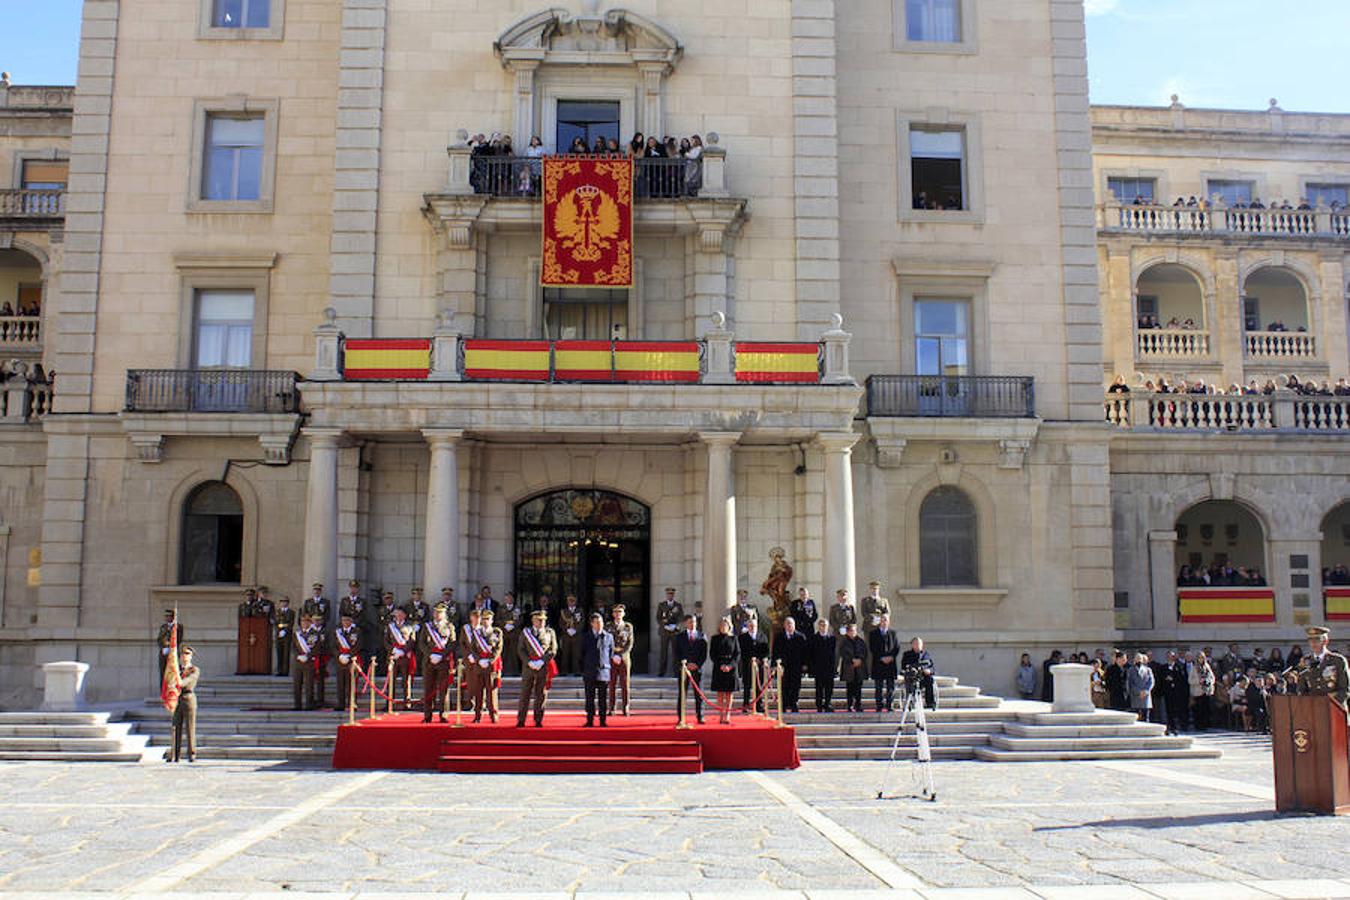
913 677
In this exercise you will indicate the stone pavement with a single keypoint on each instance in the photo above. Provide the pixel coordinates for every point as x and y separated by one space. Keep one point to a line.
1155 829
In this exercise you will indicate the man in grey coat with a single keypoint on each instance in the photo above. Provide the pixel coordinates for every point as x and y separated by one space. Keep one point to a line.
1139 685
597 646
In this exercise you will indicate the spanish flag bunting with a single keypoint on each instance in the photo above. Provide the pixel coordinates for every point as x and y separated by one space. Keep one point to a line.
660 361
506 360
1226 604
583 360
386 359
1338 603
778 363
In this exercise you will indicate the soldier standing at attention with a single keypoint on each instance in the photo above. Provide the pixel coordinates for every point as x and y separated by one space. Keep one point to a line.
400 642
509 621
265 605
302 668
468 652
165 640
1323 671
538 647
622 662
743 612
436 642
571 618
842 613
451 607
489 646
318 639
347 649
803 611
283 623
418 611
185 713
874 606
362 617
317 604
669 614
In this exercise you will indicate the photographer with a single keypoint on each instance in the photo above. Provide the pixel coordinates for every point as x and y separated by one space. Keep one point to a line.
917 668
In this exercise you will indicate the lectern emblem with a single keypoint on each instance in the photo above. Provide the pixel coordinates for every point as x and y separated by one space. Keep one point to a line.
1301 741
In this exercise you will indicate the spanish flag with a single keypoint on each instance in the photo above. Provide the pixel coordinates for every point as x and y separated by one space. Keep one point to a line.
658 361
506 360
583 360
778 363
1338 603
1226 604
387 359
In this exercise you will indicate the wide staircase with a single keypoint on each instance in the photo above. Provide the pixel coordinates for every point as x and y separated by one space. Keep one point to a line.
68 737
250 718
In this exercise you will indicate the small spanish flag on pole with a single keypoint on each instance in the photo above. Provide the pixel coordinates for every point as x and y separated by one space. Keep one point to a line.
172 684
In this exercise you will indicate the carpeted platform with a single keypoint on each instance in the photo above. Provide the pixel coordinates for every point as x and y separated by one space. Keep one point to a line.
632 744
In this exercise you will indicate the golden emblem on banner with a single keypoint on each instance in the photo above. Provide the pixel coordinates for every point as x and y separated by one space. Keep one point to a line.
587 222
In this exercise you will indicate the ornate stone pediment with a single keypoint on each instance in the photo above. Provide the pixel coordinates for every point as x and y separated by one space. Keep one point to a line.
615 37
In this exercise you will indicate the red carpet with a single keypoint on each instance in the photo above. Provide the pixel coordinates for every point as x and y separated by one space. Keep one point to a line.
643 743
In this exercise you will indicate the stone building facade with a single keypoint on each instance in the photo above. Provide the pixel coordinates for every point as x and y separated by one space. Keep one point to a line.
907 187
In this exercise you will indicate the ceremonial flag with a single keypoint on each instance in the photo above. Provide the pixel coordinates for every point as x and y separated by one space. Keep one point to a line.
172 685
367 359
588 222
1338 603
777 363
1226 604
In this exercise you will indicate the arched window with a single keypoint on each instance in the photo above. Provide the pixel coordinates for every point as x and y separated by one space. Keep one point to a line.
213 536
947 541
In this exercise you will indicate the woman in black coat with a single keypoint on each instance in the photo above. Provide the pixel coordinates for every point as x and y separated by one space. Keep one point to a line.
724 652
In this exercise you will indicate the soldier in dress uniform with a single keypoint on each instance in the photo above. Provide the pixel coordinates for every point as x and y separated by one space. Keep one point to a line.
842 612
249 607
538 646
487 667
265 605
669 615
302 665
436 644
347 649
1322 670
874 606
510 618
621 665
283 623
804 612
164 640
571 619
468 652
318 631
451 607
743 612
400 643
185 713
418 611
317 605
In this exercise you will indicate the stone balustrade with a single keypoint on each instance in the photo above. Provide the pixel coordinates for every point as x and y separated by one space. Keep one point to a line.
1280 411
24 401
23 204
1280 344
1220 220
1173 343
18 332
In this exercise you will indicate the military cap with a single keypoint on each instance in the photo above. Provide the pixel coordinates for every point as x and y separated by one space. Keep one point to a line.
169 612
319 584
874 584
670 590
388 595
186 648
1319 631
537 614
345 615
353 583
417 590
447 590
620 607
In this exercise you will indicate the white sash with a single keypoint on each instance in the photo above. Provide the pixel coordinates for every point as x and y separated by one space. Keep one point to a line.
536 648
481 642
304 644
399 640
342 639
436 637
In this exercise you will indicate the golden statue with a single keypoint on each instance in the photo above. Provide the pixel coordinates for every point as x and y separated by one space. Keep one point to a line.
775 586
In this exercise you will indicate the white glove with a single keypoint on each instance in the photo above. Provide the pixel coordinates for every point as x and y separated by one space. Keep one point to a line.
876 620
302 658
571 632
536 664
164 651
617 659
670 628
435 658
510 626
344 658
484 663
398 654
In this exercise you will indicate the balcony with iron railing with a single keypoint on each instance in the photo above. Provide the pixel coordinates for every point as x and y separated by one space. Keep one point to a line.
520 176
32 204
212 391
1282 410
1217 220
951 396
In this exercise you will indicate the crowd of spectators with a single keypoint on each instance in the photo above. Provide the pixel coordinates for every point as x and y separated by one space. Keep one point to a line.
1222 573
1174 324
1193 202
1304 387
26 309
498 168
1336 576
1182 689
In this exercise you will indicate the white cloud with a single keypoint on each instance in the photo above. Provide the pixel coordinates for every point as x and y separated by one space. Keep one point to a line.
1100 7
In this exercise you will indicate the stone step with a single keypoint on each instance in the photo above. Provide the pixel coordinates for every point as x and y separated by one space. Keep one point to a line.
883 752
807 729
871 740
973 714
54 718
70 756
993 754
318 756
263 729
1022 729
1099 717
114 729
1142 742
131 744
298 741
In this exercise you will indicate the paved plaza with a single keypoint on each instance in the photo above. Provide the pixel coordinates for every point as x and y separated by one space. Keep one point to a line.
1128 829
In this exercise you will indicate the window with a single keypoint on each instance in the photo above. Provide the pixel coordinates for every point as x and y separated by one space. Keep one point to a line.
233 158
213 536
1148 306
587 120
941 337
947 539
1330 195
1251 314
574 314
45 175
241 14
224 338
933 20
937 168
29 300
1127 190
1231 193
240 20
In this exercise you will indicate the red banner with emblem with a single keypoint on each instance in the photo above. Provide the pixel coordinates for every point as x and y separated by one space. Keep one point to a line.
588 222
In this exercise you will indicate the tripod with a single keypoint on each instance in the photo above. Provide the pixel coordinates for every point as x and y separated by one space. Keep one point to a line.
923 765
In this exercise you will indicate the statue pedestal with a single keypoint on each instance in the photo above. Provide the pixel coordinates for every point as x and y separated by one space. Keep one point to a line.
1073 688
63 686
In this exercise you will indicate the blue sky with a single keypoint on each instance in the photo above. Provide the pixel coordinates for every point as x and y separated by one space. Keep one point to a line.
1228 53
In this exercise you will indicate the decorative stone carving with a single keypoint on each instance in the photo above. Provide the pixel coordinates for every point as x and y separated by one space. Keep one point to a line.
1012 454
890 452
276 448
149 447
327 345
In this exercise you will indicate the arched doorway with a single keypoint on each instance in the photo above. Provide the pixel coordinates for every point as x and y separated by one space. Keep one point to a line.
592 543
1169 296
1275 315
212 545
1218 532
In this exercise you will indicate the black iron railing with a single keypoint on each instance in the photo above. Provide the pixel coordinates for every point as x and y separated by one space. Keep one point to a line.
519 176
212 390
952 396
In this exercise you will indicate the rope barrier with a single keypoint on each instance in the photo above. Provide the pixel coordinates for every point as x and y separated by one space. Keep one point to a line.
731 707
371 686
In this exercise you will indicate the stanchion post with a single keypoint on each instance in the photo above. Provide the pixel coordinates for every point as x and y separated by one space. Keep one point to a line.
680 703
389 685
351 692
459 693
754 686
370 683
778 692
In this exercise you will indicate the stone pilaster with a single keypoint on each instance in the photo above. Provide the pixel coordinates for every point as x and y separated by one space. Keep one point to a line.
816 165
1091 545
1077 212
356 184
719 527
441 559
1162 560
839 547
321 508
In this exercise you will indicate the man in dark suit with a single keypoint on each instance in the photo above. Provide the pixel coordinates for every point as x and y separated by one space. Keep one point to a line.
853 665
754 648
692 647
917 658
597 646
1176 693
792 650
1115 681
824 653
884 648
1048 677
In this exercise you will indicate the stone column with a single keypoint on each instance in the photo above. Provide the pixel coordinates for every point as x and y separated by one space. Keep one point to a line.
441 559
719 527
321 508
1162 557
839 557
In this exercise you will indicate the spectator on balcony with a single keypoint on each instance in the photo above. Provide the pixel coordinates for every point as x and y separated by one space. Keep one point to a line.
637 146
1337 575
1304 205
1256 204
612 148
1198 387
6 310
672 148
1276 325
1140 201
1187 577
654 149
578 147
1276 661
599 147
1118 386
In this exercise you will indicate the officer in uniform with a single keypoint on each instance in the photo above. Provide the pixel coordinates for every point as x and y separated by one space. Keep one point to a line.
283 623
249 607
400 643
347 648
1323 671
316 604
803 611
436 645
874 606
621 664
302 666
669 615
743 612
488 668
571 619
265 606
510 618
451 607
318 630
185 713
164 640
537 649
418 611
842 613
468 653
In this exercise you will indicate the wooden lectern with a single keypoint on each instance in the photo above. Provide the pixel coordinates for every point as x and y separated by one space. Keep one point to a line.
255 646
1312 769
